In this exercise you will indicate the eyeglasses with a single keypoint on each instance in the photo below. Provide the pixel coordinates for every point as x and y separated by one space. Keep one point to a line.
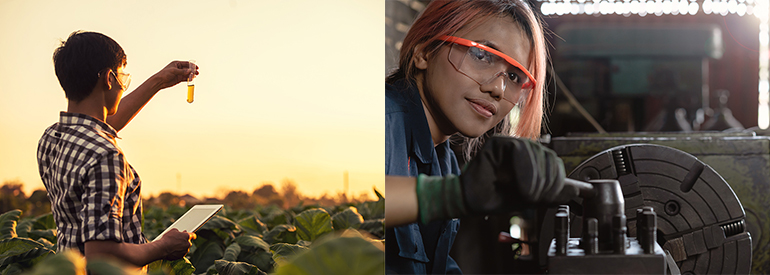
483 65
124 79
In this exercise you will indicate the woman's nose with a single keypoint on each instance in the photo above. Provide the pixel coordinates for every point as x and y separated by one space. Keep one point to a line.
495 86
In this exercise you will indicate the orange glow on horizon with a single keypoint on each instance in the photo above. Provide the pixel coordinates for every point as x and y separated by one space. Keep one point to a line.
270 105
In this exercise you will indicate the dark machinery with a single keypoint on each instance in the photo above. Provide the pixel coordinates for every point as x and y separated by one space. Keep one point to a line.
692 212
604 247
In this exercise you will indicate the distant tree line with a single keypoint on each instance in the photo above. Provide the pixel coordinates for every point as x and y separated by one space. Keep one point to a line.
12 196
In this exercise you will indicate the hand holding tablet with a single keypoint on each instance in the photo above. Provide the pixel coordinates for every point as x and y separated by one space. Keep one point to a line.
193 219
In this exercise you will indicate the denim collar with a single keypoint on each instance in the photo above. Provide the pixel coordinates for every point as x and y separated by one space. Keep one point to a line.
421 141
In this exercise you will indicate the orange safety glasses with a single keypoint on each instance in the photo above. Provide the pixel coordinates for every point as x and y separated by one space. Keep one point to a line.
478 51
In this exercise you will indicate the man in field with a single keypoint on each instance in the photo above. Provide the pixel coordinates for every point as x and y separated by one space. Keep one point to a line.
95 194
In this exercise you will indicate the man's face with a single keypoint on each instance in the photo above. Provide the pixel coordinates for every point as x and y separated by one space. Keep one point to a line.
113 96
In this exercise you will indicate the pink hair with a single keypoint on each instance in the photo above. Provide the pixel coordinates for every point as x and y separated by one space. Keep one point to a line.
442 17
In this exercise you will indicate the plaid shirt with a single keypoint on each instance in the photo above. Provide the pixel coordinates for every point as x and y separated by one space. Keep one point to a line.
94 192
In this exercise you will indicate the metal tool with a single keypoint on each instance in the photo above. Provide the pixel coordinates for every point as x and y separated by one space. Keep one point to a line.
585 190
699 220
604 246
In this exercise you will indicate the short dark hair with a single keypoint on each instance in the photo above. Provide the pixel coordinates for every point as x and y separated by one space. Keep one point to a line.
80 59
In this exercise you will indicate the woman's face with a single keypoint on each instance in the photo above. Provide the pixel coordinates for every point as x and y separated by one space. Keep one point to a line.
456 103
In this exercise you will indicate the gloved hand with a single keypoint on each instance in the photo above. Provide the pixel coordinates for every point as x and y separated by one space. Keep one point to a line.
507 174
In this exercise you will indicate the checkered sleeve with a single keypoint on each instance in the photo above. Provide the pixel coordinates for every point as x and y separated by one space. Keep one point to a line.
103 197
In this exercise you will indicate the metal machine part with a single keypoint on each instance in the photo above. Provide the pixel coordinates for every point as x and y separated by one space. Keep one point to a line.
700 221
742 159
606 203
604 247
632 261
626 255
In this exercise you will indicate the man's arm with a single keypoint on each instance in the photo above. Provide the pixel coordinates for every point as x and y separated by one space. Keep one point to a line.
104 199
173 245
130 105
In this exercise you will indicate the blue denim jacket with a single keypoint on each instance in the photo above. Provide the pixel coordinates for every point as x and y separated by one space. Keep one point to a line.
416 248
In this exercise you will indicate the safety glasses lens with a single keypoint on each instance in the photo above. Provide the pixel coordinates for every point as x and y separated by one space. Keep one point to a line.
484 67
123 78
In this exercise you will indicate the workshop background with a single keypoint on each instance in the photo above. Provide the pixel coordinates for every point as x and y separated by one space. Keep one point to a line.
688 74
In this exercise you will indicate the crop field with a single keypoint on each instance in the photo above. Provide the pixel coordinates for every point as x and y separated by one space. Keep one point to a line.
342 239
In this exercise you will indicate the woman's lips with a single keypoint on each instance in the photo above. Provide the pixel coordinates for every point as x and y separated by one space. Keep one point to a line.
483 107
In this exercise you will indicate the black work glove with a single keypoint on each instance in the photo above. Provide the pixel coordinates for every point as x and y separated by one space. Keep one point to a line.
507 174
510 173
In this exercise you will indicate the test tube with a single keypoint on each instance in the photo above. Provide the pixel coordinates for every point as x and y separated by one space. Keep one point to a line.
190 82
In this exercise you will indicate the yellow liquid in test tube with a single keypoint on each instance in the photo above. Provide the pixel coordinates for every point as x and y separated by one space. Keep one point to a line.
190 92
191 82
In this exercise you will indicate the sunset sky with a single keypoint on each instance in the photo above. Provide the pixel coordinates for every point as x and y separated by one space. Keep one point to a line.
287 90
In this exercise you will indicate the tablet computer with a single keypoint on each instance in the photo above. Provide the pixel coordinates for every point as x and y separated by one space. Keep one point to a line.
193 218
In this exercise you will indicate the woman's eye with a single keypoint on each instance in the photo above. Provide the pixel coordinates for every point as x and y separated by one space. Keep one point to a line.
480 54
515 78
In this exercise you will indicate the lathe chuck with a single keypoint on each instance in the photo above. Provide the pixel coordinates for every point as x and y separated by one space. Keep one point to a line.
700 220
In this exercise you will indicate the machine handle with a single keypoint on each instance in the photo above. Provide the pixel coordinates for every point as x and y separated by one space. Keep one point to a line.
585 190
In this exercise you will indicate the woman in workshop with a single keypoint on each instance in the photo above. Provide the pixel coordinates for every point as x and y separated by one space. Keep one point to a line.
463 67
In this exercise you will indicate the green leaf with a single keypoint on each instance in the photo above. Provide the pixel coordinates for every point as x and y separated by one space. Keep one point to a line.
348 218
206 253
276 217
103 266
8 221
223 227
155 267
260 258
253 226
375 227
219 222
23 227
12 269
232 251
235 215
337 255
182 266
66 263
237 268
312 224
48 244
301 207
265 211
283 233
156 220
23 251
44 222
373 209
252 243
37 227
48 234
256 252
283 251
